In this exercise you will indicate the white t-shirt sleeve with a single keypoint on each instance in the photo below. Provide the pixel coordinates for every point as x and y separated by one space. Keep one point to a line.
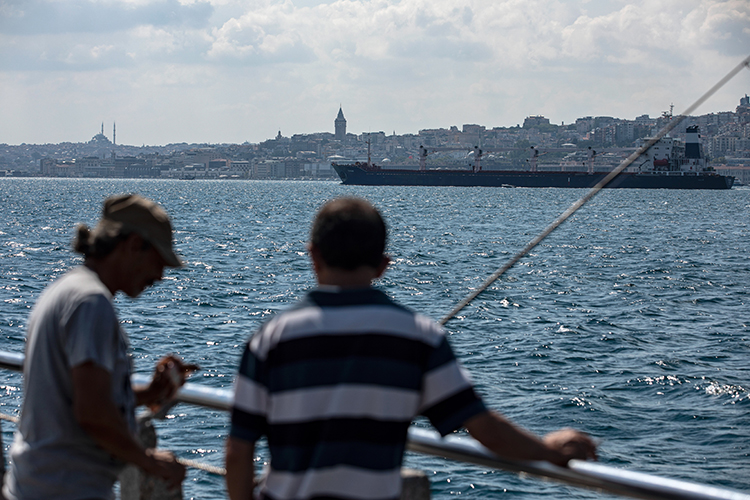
92 333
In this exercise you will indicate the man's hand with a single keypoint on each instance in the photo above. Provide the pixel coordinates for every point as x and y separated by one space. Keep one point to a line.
164 465
511 441
169 375
570 443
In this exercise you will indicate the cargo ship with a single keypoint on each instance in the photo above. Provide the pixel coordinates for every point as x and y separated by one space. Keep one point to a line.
669 164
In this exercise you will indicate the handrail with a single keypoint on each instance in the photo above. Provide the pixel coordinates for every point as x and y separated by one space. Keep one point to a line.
11 361
578 473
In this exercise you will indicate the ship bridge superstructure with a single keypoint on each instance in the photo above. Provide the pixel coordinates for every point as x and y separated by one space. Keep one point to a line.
670 154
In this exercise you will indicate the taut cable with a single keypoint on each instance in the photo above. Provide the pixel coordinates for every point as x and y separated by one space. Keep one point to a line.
594 190
211 469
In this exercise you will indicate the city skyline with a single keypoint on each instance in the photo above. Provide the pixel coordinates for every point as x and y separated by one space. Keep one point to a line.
225 71
342 122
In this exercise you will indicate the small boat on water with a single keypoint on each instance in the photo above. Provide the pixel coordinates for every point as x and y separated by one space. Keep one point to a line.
669 164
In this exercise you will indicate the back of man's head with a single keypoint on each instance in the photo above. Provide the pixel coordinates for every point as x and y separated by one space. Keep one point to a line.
349 233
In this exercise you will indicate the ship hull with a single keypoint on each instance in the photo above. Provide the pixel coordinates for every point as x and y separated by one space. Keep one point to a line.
356 175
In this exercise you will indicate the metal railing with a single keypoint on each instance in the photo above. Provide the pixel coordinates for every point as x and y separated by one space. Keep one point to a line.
578 473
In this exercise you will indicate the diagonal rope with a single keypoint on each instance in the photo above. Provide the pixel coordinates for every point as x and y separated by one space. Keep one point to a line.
8 418
594 190
211 469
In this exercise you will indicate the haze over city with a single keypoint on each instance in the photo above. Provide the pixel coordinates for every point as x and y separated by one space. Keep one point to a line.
226 71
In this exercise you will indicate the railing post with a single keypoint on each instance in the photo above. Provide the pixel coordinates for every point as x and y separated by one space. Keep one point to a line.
135 484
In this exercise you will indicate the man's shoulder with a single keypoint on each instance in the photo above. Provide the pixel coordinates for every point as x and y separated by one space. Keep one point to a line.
346 313
80 280
346 306
77 286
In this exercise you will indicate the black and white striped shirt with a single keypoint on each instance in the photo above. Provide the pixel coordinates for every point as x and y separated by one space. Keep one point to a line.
334 384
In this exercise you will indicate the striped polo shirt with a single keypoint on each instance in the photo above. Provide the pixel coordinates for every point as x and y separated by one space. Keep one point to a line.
334 384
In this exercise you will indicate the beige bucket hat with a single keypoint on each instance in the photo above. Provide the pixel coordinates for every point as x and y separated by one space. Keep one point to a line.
134 213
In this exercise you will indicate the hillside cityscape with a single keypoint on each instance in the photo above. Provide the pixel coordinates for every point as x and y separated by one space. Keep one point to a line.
725 137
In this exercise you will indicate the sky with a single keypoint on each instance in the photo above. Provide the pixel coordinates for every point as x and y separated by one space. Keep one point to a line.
230 71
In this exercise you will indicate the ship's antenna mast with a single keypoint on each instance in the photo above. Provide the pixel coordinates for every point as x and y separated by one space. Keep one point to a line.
598 187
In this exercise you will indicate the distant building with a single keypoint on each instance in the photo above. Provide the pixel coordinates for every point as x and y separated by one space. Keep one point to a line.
240 168
91 166
472 134
584 125
340 126
535 121
624 133
47 166
645 122
376 138
201 155
723 144
100 138
743 110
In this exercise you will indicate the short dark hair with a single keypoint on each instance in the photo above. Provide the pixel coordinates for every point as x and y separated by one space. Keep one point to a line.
349 233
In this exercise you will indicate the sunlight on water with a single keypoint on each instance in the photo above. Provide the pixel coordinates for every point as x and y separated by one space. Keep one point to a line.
630 321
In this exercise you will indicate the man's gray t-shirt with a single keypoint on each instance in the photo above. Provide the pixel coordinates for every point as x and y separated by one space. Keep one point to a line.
73 322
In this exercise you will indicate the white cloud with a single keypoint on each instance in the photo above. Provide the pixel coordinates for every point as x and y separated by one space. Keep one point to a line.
49 17
229 71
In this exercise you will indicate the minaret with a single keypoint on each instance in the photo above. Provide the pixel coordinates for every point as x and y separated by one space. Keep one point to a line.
114 133
340 126
102 128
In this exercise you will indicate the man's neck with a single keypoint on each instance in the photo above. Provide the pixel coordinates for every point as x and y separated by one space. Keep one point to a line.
107 273
361 277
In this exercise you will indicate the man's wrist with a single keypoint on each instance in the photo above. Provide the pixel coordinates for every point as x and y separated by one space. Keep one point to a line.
148 462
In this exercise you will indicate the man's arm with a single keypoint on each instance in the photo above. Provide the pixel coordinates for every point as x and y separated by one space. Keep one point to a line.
97 414
510 441
240 468
169 375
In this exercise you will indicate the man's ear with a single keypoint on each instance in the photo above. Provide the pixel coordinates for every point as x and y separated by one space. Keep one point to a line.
134 243
380 270
315 256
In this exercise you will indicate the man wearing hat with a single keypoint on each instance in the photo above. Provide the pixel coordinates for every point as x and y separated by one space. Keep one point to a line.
77 420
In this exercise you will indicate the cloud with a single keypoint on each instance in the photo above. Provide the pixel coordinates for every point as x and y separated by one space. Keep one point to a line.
721 26
258 38
85 36
48 17
513 34
250 67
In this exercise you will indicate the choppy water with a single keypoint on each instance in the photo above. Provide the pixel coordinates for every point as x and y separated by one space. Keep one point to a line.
630 322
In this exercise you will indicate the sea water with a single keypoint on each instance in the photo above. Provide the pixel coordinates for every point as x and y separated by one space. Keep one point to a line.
629 322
